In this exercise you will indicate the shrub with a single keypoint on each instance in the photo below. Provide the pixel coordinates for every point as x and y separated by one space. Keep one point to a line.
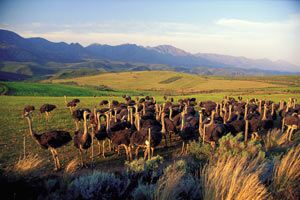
98 185
148 168
175 184
143 192
234 145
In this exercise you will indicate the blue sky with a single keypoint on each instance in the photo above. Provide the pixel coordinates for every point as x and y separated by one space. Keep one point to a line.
255 29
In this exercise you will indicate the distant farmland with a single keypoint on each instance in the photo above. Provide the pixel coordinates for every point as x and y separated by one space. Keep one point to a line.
167 81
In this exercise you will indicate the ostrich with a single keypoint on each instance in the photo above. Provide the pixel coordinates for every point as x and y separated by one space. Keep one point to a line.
50 140
83 140
266 123
213 131
101 134
78 116
188 130
168 126
72 104
119 134
47 108
140 137
28 109
293 123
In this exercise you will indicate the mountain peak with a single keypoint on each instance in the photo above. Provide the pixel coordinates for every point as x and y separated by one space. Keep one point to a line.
169 49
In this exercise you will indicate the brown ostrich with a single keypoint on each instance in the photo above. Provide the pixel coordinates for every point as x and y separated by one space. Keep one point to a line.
293 123
28 109
47 108
72 104
213 131
50 140
83 140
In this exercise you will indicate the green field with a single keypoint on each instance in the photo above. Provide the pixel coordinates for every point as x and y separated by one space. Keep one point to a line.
42 89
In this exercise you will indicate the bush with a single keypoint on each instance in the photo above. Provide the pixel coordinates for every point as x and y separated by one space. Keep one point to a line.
176 184
148 170
235 145
144 192
98 185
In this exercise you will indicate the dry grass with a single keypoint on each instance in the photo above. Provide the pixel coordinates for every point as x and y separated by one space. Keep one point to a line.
286 178
233 178
28 164
72 166
274 138
154 80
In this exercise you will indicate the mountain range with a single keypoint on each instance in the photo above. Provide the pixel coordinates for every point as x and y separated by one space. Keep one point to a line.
47 57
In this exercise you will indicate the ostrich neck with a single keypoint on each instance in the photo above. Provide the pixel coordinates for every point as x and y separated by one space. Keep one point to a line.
163 126
182 123
138 123
85 132
246 112
107 122
171 113
264 114
200 118
212 119
66 100
30 127
99 122
229 115
272 109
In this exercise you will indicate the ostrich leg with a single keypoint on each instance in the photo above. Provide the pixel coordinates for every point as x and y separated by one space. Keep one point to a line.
47 116
54 158
57 159
81 158
103 148
137 152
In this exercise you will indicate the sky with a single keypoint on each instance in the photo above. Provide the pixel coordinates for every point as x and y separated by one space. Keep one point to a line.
253 29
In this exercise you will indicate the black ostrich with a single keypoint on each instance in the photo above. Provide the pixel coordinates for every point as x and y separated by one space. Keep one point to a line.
50 140
72 104
28 109
101 134
188 130
82 139
78 116
147 135
266 122
47 108
168 127
212 131
119 133
293 123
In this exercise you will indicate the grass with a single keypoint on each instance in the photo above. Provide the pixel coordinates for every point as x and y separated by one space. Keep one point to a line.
156 81
287 175
39 89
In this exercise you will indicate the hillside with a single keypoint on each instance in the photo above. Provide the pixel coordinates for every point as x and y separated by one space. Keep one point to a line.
168 81
38 56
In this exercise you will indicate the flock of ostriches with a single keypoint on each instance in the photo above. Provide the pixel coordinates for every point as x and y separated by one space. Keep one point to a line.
142 124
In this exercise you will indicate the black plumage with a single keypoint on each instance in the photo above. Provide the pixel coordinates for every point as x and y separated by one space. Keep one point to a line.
47 108
50 140
28 109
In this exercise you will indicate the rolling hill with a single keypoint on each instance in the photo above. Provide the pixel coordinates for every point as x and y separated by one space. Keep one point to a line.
166 81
